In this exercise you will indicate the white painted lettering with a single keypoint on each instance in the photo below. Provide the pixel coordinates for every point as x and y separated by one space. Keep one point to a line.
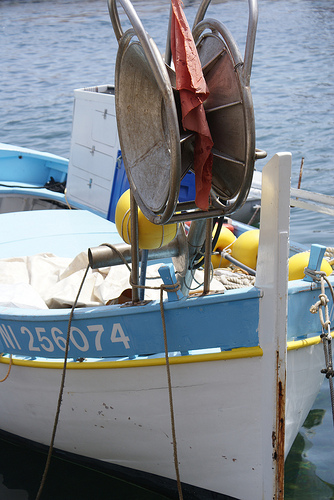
99 330
16 342
49 347
85 345
31 347
59 341
117 328
6 337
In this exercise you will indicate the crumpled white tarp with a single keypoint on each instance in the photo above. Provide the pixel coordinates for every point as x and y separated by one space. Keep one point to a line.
45 281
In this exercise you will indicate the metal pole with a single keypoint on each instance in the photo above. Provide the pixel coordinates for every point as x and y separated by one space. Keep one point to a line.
134 248
207 256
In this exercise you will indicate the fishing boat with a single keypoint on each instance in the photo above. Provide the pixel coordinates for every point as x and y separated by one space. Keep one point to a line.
35 180
196 393
31 180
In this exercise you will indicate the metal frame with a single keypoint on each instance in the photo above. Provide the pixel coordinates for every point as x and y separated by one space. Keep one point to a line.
159 71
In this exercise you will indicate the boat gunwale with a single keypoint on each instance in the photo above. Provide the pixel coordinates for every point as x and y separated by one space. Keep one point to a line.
100 311
192 300
237 353
9 151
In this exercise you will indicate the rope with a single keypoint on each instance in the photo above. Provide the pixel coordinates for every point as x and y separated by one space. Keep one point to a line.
251 220
15 186
329 255
61 390
232 280
171 288
326 336
65 196
167 288
162 288
128 227
199 284
120 255
9 368
170 394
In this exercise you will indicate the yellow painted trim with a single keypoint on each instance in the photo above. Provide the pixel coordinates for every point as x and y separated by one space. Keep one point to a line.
299 344
241 352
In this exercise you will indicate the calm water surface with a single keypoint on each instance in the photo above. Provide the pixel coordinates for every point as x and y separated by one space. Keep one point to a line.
50 48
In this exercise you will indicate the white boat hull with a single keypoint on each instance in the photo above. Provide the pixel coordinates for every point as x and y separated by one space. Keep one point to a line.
229 388
121 415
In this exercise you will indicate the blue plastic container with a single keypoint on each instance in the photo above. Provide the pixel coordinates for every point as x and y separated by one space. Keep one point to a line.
121 184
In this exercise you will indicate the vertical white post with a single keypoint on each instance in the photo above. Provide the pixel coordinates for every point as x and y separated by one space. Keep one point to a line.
272 278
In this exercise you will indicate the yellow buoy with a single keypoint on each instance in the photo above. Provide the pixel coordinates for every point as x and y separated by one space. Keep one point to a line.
245 248
299 261
150 235
225 240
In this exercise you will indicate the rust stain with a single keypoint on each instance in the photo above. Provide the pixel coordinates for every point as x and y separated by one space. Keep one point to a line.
278 436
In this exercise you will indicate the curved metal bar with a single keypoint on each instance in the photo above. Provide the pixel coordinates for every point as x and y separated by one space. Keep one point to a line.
250 40
116 23
223 30
151 53
251 34
168 51
260 154
201 12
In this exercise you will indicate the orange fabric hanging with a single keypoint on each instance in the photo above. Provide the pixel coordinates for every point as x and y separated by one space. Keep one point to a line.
193 92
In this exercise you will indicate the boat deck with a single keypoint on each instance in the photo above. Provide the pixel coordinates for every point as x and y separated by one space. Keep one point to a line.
64 233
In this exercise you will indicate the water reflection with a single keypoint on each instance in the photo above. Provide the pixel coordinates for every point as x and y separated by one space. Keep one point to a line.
301 478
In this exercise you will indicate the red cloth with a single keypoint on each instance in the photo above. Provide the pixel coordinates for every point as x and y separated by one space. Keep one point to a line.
193 92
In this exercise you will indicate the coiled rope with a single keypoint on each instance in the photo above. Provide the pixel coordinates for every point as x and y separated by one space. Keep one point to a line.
232 279
329 255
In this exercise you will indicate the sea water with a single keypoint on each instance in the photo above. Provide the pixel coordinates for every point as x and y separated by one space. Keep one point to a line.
49 48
